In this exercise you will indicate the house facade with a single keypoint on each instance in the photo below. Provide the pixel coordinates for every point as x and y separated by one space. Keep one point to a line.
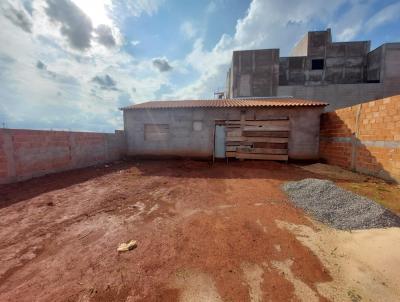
276 128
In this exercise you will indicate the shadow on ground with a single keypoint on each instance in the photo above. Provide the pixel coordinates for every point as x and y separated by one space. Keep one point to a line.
183 168
15 192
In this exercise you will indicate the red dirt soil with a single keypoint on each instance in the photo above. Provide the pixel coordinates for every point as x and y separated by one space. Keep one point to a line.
59 233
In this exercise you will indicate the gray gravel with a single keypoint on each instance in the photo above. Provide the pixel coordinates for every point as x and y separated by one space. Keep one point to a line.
337 207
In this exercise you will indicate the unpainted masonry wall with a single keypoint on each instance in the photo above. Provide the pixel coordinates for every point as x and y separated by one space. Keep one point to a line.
254 73
185 141
364 138
29 153
337 95
351 73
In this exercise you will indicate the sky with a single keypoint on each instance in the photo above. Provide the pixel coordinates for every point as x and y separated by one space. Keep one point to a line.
71 64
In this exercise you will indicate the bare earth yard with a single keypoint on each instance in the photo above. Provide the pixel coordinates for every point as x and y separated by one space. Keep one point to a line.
204 233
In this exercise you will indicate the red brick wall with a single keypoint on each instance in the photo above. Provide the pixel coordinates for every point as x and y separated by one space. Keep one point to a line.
365 138
336 153
29 153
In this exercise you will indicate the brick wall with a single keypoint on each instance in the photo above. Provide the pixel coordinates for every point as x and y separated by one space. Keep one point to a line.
364 138
29 153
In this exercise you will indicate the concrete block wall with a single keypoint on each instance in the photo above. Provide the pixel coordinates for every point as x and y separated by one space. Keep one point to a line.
390 69
337 95
254 73
185 141
345 63
351 74
374 63
364 138
29 153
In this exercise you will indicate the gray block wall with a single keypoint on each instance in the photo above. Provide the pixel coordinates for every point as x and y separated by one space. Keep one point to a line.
352 74
390 70
337 95
254 73
185 141
345 62
374 63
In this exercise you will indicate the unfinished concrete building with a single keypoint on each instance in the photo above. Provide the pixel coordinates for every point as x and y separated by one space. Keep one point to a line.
341 73
271 129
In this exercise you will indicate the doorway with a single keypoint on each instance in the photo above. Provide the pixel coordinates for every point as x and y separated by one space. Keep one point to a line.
219 144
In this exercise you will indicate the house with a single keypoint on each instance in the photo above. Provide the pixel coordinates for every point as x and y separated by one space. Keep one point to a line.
340 73
254 128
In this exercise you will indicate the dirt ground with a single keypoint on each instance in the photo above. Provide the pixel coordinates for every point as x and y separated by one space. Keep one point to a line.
204 233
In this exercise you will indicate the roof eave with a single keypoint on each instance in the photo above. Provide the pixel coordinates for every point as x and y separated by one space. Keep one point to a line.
250 106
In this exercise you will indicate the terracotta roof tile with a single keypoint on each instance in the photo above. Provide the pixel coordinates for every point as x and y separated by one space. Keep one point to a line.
225 103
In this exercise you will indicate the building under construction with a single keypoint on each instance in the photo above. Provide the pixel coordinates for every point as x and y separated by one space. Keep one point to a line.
341 73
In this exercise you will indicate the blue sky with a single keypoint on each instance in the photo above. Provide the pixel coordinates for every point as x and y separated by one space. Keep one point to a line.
70 64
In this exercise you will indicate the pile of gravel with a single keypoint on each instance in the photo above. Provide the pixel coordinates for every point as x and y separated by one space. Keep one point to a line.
337 207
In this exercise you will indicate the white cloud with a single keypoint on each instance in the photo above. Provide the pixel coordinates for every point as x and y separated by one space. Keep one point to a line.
17 14
162 64
267 24
348 33
96 10
384 16
80 26
105 35
211 66
68 89
188 30
274 24
138 7
280 24
352 21
81 89
74 24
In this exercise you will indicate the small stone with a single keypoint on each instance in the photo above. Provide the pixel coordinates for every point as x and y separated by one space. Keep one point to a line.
127 246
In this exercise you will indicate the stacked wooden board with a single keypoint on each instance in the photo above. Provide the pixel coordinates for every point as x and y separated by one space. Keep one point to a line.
256 139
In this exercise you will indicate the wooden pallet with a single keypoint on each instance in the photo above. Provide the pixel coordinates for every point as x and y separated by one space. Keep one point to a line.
264 140
262 156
